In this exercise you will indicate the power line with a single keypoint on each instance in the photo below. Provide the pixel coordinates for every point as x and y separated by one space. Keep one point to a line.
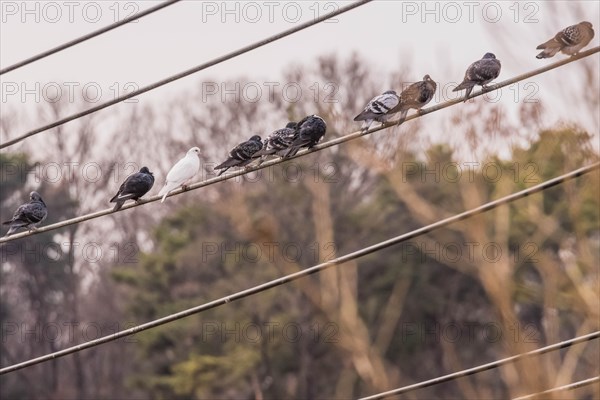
190 71
570 386
309 271
484 367
88 36
334 142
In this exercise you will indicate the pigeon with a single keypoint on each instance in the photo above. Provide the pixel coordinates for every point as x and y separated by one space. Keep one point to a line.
415 96
378 109
242 154
481 72
570 40
134 187
308 133
181 173
277 142
28 215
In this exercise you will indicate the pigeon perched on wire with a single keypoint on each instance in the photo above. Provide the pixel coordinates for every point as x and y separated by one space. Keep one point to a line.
277 142
181 173
134 187
309 131
481 72
570 40
415 96
242 154
378 109
28 215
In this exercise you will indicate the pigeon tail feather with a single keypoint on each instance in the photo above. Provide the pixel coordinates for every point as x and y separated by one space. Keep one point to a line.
548 52
119 197
402 117
361 116
263 152
291 152
165 191
232 162
468 93
223 171
464 85
548 44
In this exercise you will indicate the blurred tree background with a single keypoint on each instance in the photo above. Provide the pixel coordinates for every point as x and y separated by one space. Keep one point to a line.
511 280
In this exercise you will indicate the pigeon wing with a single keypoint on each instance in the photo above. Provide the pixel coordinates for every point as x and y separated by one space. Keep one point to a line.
569 36
409 98
122 192
246 152
284 141
281 139
36 212
247 149
138 185
427 92
468 81
378 106
235 157
18 218
182 171
310 130
488 70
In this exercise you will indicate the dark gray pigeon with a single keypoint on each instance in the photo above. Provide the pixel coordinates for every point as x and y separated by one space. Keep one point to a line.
379 109
134 187
277 142
570 40
415 96
308 133
28 215
481 72
242 154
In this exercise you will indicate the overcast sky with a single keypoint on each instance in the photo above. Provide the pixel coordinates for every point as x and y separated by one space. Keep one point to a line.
438 38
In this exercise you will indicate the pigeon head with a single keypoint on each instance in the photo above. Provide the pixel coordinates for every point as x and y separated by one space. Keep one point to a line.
291 125
489 55
255 138
194 150
145 170
426 78
35 196
586 23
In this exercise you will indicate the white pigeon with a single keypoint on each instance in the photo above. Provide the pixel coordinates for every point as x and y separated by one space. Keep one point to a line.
182 172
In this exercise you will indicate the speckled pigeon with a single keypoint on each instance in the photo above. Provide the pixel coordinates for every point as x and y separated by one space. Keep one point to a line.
28 215
481 72
308 133
570 40
242 154
277 142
